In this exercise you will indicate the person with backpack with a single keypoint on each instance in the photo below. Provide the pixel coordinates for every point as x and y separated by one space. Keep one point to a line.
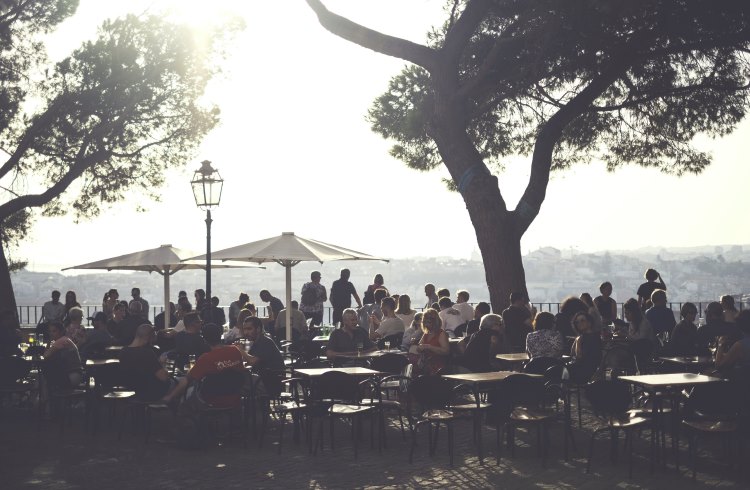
314 295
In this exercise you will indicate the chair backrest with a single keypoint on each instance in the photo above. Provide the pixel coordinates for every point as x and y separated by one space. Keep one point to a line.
227 382
272 382
12 369
643 350
620 360
395 340
540 365
305 349
608 397
714 399
108 376
337 386
431 392
522 390
390 363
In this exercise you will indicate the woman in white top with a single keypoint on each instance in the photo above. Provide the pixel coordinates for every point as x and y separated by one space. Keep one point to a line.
404 311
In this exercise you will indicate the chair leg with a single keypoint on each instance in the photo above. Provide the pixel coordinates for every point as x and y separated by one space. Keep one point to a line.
282 422
413 430
578 405
449 428
629 449
591 452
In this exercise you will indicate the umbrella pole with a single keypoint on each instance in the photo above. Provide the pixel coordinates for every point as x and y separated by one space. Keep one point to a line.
167 311
288 267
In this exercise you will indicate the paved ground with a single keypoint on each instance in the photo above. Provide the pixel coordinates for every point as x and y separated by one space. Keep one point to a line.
36 456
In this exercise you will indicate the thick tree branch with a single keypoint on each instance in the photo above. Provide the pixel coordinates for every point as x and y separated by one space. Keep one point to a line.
372 39
541 163
460 33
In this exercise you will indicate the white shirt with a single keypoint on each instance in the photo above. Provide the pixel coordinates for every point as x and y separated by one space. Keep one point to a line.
451 318
466 310
390 326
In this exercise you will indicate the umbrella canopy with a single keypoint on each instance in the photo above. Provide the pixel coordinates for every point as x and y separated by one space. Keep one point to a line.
164 260
288 250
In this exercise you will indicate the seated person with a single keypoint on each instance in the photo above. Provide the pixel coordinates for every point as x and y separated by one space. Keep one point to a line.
390 324
140 367
346 339
480 349
683 337
544 341
517 320
606 306
220 359
99 338
62 360
449 316
189 342
298 321
587 348
75 331
236 332
213 313
434 347
264 353
659 316
413 333
638 326
159 319
735 354
715 327
482 308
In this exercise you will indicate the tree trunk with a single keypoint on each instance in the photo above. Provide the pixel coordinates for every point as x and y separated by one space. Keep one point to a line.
8 310
498 240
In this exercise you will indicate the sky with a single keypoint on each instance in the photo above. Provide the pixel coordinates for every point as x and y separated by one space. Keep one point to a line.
297 154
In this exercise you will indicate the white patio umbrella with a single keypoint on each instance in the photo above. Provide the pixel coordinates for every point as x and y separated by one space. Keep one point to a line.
288 250
164 260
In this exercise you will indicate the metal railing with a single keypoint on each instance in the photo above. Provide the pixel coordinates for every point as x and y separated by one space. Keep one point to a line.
30 316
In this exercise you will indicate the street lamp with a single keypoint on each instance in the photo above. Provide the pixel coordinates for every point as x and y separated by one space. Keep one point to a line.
207 185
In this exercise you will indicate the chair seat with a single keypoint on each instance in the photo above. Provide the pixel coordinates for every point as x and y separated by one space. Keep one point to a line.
530 415
712 425
627 422
342 409
438 415
118 395
470 406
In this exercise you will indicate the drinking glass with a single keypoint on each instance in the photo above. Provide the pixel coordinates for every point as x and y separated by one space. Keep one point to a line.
387 345
24 347
360 346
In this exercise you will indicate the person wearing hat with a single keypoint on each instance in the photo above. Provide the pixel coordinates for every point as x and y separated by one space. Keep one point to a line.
314 294
98 338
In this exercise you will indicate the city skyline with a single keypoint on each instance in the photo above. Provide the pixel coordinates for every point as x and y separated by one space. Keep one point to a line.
297 155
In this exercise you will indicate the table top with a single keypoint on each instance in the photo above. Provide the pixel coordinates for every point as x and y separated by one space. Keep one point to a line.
689 360
478 378
354 371
321 338
368 355
101 362
114 347
455 340
670 379
514 357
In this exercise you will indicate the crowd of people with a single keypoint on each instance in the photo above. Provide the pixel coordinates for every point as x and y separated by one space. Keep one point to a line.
200 340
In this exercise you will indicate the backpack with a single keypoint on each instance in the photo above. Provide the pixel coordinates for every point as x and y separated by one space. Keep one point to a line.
310 296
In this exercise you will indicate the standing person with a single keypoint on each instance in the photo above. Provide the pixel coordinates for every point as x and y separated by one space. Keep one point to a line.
52 311
213 313
200 299
313 296
429 292
368 298
653 282
342 291
111 298
235 307
517 320
730 311
604 303
463 306
274 304
404 311
136 294
70 302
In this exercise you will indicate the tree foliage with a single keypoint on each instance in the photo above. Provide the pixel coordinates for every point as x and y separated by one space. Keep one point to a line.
683 70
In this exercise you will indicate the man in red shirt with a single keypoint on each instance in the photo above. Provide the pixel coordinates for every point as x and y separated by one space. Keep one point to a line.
220 359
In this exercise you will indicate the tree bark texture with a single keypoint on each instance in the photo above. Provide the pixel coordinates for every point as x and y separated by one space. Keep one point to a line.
8 310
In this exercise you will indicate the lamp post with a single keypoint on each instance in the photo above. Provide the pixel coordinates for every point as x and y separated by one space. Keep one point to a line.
207 185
